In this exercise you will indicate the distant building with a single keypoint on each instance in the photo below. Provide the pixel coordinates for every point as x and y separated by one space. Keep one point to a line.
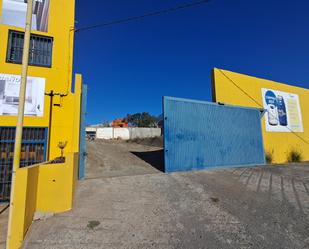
120 122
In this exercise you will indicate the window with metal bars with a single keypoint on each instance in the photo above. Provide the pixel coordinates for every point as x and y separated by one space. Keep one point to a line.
33 151
40 51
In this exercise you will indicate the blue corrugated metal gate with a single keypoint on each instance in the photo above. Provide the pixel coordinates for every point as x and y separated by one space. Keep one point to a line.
199 135
82 145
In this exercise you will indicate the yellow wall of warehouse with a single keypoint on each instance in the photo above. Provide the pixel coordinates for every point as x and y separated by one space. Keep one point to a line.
56 185
48 187
66 121
237 93
41 188
58 77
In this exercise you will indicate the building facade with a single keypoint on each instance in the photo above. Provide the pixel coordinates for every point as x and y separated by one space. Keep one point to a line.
52 109
285 124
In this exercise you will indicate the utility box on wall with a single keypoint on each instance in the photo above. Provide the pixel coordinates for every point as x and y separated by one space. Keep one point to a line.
200 135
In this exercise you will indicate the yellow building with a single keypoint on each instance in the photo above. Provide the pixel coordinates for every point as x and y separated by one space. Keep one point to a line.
285 123
50 71
52 110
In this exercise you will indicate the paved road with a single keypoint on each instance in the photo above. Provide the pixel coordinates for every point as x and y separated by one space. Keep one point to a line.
262 207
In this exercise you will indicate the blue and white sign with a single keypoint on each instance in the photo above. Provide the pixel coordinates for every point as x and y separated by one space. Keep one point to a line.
283 111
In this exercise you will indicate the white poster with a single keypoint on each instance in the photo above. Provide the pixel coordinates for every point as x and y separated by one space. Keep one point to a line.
14 14
9 95
283 113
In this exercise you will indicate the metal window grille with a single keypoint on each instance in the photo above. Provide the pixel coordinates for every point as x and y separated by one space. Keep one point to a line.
40 53
33 151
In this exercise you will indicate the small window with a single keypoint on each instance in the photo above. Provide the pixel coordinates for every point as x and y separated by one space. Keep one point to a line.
40 51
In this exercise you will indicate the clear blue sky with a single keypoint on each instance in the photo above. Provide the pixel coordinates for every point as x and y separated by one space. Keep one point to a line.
129 67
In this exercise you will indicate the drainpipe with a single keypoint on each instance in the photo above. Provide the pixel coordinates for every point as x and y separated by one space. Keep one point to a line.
20 117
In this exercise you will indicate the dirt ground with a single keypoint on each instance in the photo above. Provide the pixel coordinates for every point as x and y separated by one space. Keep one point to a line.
123 158
126 202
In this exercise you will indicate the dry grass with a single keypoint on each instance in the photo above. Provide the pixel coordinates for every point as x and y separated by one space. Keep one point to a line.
294 156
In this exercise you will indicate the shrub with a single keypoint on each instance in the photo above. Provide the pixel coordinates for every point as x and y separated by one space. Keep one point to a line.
294 156
269 156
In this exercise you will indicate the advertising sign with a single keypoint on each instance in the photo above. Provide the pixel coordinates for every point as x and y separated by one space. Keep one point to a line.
14 14
9 95
283 113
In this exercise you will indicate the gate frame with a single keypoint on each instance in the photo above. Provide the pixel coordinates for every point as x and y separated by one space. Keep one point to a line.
82 135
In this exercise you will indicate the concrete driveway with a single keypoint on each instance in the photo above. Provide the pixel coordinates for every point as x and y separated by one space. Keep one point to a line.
261 207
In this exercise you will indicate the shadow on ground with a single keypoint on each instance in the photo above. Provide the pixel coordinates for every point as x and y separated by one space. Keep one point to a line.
154 158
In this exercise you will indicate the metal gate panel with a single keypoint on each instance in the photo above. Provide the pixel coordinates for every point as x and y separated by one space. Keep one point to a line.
82 143
199 135
33 151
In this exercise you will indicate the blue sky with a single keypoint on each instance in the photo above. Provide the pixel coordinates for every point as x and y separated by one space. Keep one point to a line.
129 67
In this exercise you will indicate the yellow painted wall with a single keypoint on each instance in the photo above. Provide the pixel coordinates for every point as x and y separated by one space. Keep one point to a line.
23 206
58 77
56 185
43 188
48 188
237 93
66 121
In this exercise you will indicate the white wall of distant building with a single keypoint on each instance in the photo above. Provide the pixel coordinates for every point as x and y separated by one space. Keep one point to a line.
124 133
